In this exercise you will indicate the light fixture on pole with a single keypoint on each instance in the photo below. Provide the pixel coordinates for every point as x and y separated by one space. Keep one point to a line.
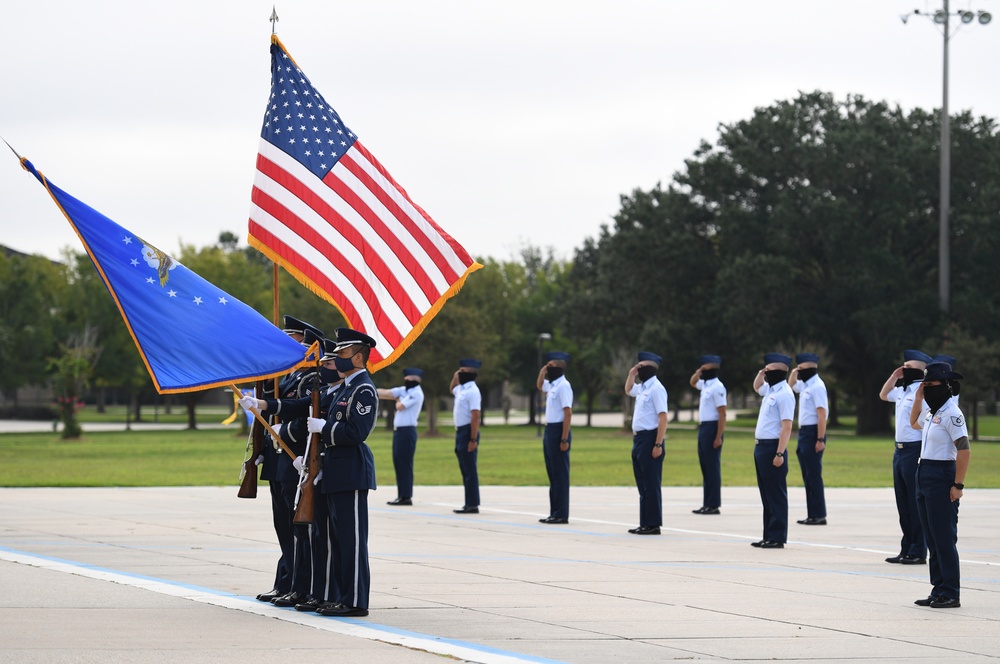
542 338
941 17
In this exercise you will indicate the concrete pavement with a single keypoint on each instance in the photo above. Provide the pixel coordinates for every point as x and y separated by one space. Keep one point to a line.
169 575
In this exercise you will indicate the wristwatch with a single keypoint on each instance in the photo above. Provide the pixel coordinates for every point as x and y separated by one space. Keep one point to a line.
657 444
959 486
779 454
564 440
821 440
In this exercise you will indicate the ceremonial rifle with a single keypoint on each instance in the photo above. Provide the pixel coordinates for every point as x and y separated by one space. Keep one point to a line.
305 508
255 445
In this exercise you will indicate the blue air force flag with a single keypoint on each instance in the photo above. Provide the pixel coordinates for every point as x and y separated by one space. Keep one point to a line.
191 335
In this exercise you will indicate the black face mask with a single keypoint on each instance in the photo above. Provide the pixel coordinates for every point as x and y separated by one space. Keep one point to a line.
806 374
553 373
466 377
775 376
328 376
646 372
936 396
709 374
911 376
410 384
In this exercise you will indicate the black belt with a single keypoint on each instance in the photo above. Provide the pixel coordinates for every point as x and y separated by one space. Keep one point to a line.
767 441
935 462
907 443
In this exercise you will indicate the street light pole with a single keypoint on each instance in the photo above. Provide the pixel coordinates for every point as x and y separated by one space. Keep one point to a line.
944 235
942 17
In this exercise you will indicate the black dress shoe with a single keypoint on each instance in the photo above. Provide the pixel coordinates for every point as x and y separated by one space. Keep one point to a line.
927 602
757 544
895 559
810 521
400 501
342 611
289 599
707 510
270 594
646 530
466 510
912 560
945 603
553 519
771 544
310 604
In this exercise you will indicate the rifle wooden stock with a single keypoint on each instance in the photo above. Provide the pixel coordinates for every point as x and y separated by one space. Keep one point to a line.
248 488
305 510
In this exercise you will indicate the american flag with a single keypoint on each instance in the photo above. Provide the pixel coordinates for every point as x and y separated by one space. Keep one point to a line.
328 212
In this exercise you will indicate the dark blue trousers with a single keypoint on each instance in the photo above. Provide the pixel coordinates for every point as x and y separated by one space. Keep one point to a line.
404 446
904 482
557 467
939 517
348 518
282 511
467 464
773 486
324 585
300 561
648 477
811 463
710 459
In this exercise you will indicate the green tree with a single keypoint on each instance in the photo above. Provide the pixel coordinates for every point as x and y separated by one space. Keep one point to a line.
30 288
646 283
825 213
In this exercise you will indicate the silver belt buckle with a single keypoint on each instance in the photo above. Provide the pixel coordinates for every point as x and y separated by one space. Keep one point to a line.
899 446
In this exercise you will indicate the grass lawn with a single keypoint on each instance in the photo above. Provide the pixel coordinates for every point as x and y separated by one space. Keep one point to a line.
509 455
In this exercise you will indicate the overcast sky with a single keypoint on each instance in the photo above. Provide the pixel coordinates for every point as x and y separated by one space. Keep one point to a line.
511 122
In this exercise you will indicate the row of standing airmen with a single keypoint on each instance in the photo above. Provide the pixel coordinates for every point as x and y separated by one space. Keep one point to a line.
324 566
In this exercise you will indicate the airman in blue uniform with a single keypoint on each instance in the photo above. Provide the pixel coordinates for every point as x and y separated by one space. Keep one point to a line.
944 462
900 389
774 429
558 437
813 412
348 473
467 410
408 400
649 428
711 425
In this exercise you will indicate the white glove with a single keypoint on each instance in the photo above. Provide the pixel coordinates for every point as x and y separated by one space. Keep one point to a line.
298 463
259 460
249 403
319 476
316 424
